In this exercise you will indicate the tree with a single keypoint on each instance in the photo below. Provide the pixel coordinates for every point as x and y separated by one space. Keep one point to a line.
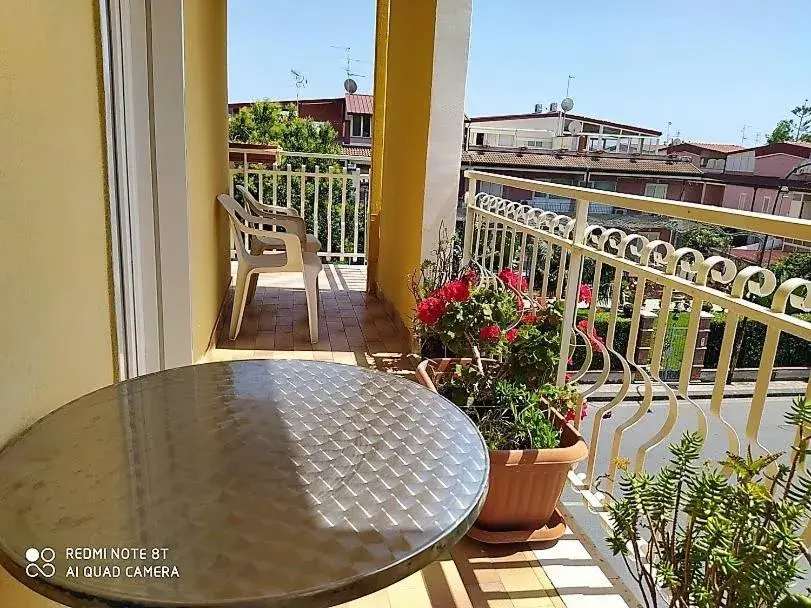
781 133
795 265
705 239
268 123
794 129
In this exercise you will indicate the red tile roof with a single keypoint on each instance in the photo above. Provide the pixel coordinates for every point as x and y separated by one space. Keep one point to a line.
359 104
362 151
604 162
722 148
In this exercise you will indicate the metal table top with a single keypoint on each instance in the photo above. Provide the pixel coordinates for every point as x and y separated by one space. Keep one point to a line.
239 484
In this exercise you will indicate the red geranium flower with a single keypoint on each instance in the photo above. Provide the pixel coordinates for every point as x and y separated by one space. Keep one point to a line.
510 335
583 326
570 414
455 291
568 377
489 333
430 309
513 279
529 318
470 277
584 293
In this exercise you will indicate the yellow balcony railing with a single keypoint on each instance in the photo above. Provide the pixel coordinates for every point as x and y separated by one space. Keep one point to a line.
626 272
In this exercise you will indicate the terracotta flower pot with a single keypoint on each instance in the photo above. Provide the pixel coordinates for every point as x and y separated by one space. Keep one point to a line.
525 485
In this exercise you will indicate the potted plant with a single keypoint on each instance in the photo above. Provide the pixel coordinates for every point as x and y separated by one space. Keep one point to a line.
507 348
692 535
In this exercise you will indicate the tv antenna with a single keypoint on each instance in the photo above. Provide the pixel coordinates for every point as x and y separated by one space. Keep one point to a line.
568 82
350 85
301 82
743 133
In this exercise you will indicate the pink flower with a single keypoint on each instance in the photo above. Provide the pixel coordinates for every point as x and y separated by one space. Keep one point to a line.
455 291
430 310
583 325
584 293
513 279
510 335
570 362
529 318
489 333
568 377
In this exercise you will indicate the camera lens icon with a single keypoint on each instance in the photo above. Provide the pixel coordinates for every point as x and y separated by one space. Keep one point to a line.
39 562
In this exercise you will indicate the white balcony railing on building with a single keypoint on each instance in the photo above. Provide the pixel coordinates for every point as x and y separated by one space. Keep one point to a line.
623 144
329 191
501 137
633 274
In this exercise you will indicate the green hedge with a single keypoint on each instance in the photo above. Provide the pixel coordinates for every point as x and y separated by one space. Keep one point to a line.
621 332
791 350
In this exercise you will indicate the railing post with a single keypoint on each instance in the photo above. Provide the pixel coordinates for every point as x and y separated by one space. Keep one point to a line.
470 196
701 345
581 213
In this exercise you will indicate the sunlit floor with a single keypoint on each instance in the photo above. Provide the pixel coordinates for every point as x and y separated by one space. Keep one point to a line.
354 329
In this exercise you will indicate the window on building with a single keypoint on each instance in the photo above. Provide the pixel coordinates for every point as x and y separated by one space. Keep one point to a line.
539 143
590 127
704 161
656 190
506 141
490 188
767 202
742 200
361 125
479 139
611 131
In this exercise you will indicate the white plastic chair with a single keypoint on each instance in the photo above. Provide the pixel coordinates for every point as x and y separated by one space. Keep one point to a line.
311 243
250 265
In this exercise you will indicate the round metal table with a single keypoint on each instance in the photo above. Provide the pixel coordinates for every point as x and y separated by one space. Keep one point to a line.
240 484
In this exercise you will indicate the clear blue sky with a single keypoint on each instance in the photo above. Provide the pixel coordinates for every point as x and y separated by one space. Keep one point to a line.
709 67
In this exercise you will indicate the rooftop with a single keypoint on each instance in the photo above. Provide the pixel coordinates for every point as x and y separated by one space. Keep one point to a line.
562 160
722 148
359 104
571 116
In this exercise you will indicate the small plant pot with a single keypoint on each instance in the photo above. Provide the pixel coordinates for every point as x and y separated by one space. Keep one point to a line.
524 485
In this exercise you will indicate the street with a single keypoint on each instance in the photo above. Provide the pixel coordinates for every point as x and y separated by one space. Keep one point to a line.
774 435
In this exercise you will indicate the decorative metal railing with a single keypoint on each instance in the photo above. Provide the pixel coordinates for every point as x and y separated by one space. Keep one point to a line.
330 191
643 279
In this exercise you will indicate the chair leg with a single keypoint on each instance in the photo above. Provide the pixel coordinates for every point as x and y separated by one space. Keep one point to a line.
311 289
252 287
240 293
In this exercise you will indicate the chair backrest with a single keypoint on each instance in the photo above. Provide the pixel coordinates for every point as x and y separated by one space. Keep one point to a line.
261 208
243 223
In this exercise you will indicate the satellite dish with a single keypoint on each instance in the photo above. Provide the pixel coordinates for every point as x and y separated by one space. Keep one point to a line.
567 104
350 86
676 142
575 127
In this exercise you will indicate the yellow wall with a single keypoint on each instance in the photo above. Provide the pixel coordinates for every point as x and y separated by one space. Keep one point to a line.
409 65
206 99
55 305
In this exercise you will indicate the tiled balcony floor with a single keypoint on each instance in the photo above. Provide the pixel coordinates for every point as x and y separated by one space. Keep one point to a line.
355 330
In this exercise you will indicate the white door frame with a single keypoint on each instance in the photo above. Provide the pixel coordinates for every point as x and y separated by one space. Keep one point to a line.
146 161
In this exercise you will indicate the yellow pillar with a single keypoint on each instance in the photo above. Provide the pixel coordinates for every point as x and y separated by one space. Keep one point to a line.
206 86
418 137
378 137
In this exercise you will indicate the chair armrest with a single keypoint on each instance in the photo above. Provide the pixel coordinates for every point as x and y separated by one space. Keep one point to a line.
291 223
